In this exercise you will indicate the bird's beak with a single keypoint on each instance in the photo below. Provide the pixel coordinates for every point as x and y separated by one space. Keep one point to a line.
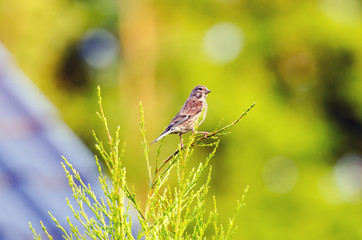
208 91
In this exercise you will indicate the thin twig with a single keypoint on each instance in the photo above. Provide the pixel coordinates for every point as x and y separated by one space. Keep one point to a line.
202 139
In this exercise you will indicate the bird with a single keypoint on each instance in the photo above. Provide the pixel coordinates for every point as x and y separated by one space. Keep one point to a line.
185 119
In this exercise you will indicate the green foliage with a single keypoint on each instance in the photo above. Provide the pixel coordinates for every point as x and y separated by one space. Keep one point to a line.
170 212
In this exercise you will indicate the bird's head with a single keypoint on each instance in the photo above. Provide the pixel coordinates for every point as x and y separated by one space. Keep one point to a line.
200 91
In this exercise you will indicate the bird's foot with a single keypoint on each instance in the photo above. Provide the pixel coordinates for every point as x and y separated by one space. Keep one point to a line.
205 133
182 144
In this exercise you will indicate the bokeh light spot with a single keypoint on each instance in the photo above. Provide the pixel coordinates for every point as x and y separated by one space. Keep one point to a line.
99 48
280 174
341 10
348 176
223 42
298 70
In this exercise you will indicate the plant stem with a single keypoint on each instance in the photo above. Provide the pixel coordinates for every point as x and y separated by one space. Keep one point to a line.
203 139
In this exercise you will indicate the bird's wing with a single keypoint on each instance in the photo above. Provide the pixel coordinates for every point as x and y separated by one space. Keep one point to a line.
191 107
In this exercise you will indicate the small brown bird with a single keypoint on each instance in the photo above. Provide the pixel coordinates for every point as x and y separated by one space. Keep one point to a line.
185 119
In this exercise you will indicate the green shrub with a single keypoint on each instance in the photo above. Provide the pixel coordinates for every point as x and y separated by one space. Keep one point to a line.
170 212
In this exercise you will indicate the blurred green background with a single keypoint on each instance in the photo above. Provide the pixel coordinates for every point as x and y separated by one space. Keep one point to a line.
299 149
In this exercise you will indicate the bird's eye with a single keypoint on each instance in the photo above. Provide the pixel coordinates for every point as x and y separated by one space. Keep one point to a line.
199 89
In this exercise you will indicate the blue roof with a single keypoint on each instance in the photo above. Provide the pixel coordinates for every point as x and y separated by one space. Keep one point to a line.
32 141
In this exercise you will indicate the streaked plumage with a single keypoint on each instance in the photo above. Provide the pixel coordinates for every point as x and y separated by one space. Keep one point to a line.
185 119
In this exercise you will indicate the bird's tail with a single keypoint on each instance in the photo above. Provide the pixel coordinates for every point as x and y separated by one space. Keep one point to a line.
164 134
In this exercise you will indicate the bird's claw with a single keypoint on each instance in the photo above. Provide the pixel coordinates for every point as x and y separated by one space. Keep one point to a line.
205 134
